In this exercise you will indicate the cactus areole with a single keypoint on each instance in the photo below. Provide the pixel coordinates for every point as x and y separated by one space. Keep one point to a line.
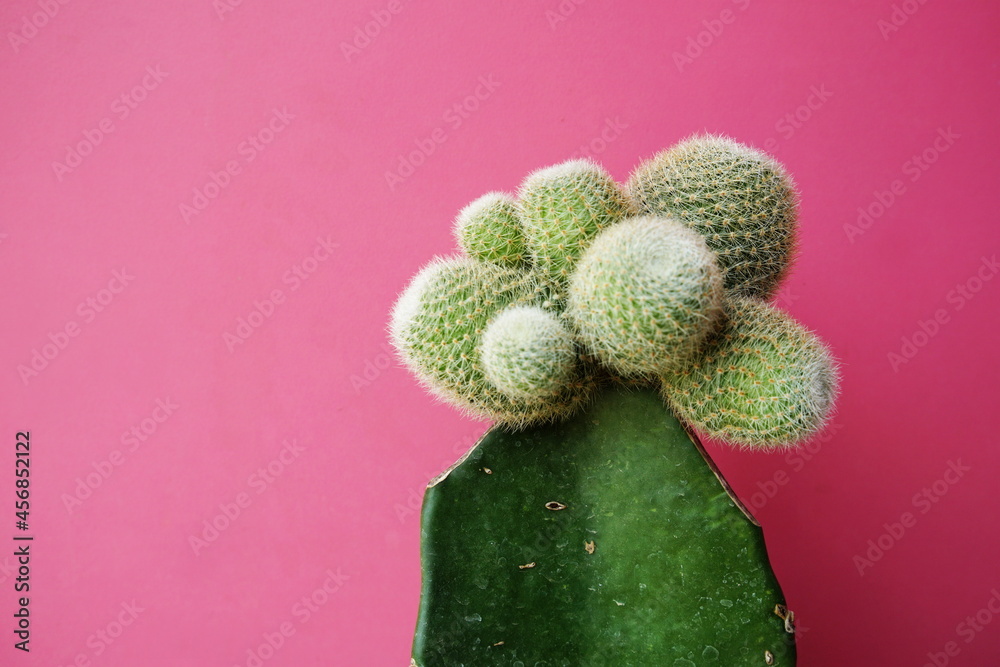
597 325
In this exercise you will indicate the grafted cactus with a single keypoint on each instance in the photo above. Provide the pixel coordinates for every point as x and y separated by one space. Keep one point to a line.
589 526
738 198
563 208
645 295
764 382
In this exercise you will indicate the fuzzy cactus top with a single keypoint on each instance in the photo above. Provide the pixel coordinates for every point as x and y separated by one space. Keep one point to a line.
579 280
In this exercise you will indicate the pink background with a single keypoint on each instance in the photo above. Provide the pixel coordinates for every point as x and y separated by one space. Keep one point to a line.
552 78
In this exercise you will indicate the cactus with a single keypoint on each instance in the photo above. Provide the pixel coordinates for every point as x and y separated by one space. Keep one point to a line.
602 540
528 354
437 326
563 207
741 200
645 295
585 531
765 382
489 229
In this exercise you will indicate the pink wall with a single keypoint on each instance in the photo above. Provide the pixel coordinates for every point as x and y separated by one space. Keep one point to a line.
288 135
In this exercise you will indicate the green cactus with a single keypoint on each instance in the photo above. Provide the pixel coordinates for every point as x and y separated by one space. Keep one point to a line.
528 354
738 198
583 532
764 382
645 295
438 323
563 207
607 539
489 229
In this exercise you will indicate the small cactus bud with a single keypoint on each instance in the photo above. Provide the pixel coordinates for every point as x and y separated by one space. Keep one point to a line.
490 230
645 295
528 354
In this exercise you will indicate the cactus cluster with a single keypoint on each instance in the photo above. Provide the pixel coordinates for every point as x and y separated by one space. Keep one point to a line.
663 280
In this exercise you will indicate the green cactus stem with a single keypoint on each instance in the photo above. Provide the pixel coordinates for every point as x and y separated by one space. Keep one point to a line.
608 539
764 382
563 208
740 199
